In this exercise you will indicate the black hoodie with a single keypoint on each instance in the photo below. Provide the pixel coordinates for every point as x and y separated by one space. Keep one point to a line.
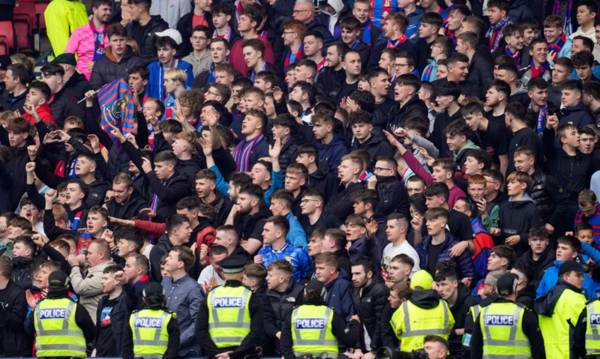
536 268
13 310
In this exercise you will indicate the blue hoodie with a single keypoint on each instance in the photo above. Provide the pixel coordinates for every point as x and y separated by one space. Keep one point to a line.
550 279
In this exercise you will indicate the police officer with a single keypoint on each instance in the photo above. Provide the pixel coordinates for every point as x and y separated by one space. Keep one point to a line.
315 330
587 331
559 310
230 318
63 327
424 313
152 332
504 328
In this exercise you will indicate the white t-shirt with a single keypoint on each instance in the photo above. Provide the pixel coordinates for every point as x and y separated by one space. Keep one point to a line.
207 274
390 251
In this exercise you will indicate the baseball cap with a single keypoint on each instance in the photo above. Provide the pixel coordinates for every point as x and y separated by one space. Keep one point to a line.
421 279
65 58
570 266
172 33
507 284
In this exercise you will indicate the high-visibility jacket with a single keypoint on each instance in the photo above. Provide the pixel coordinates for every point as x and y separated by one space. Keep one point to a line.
63 17
150 335
592 337
58 335
556 329
312 331
502 328
228 315
412 324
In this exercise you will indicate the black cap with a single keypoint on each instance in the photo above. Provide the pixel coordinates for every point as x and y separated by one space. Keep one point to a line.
57 280
153 289
314 286
570 266
65 58
233 264
507 284
4 62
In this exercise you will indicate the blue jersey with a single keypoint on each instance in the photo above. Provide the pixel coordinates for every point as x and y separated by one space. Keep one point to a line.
381 9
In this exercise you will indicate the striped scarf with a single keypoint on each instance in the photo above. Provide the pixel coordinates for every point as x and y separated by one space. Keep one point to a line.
243 151
516 56
429 72
395 43
494 33
555 47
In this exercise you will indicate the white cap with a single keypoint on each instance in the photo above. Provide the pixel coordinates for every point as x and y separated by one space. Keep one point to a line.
172 33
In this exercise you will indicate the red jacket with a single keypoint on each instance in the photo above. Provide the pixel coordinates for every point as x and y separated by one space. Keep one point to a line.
236 58
45 115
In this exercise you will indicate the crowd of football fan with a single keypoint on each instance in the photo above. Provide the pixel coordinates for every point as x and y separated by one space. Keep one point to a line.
280 178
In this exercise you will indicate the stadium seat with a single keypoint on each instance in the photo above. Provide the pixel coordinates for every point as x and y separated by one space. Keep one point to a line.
40 7
25 10
8 34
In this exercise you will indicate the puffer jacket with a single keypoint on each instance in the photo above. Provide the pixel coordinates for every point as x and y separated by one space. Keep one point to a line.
516 218
147 48
281 306
376 146
393 197
82 43
369 303
107 69
540 192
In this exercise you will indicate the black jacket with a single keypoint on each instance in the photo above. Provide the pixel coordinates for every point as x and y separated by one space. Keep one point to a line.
280 307
156 254
572 173
543 192
369 303
516 218
21 273
222 206
66 100
329 82
579 115
144 35
414 107
168 192
536 268
393 197
459 310
107 69
479 77
96 191
340 204
375 146
127 210
16 170
323 181
14 341
112 318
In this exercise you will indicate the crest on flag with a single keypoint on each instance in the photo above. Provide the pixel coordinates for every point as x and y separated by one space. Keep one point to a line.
117 107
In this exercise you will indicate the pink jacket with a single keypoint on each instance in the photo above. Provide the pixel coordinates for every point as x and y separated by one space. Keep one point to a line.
81 43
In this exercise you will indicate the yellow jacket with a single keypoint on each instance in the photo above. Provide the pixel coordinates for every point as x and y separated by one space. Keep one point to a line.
63 17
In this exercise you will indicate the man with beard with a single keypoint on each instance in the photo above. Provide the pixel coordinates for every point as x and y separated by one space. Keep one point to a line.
248 216
89 41
370 296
